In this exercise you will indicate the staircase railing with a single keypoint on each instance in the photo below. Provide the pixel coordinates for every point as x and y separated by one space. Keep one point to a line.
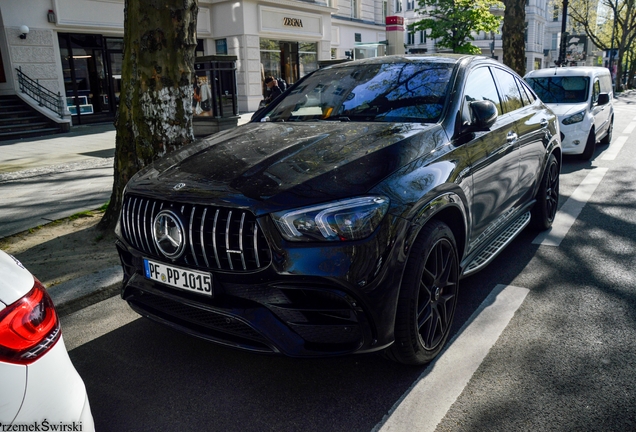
43 96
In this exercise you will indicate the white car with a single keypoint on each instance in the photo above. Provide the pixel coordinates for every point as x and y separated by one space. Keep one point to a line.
39 387
582 99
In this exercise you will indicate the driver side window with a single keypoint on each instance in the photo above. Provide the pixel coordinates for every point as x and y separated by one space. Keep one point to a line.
596 90
479 86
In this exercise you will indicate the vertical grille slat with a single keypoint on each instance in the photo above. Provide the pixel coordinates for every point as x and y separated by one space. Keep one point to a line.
210 231
227 239
138 225
202 237
146 226
132 223
152 218
194 252
241 241
258 261
216 249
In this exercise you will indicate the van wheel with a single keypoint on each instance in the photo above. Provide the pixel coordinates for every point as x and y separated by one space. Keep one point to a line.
428 297
608 137
590 146
544 210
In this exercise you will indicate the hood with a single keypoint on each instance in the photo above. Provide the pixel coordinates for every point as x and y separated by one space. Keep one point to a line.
563 110
271 166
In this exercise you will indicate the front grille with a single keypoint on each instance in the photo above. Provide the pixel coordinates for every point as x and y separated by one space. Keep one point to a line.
216 238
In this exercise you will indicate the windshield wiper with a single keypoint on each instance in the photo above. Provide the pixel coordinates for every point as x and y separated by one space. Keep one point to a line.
338 118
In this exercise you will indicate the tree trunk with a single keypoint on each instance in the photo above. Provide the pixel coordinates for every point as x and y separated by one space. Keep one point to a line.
512 35
155 105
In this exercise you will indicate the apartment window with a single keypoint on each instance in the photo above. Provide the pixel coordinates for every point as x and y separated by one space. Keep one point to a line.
422 37
385 10
525 33
555 13
555 41
355 13
398 5
410 4
410 38
357 37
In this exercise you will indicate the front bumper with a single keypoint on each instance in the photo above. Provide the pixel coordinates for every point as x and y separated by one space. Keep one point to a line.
574 137
310 301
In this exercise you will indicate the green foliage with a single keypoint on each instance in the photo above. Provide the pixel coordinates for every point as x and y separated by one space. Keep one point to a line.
453 22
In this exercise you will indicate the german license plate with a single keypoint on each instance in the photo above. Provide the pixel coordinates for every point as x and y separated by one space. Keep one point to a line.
177 277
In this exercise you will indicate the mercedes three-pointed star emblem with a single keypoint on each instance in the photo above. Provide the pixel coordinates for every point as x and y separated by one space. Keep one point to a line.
168 234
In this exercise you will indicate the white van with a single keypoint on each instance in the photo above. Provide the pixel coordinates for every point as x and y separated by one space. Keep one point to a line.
581 96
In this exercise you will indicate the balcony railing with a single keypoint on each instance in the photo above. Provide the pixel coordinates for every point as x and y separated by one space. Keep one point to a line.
43 96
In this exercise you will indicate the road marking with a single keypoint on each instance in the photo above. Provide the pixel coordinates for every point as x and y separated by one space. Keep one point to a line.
426 403
612 151
630 128
568 213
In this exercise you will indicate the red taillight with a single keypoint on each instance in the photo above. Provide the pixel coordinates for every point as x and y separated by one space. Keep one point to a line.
29 327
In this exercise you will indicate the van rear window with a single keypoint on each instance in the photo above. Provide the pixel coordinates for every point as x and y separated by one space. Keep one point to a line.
557 89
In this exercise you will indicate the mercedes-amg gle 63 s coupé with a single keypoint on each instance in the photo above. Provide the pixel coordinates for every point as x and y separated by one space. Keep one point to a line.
342 217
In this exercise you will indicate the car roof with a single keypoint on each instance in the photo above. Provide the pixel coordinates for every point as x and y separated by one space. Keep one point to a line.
588 71
406 58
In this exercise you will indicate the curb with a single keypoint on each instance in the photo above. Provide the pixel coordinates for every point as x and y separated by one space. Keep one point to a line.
84 291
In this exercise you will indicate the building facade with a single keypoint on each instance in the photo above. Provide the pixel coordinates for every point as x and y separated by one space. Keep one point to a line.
75 47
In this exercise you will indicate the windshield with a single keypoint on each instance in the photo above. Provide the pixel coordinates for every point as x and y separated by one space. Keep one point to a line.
390 92
557 89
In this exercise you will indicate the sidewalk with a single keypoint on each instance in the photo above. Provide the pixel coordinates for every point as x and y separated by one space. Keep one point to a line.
49 178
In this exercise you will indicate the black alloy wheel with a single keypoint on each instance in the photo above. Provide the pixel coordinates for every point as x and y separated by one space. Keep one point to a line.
428 297
544 210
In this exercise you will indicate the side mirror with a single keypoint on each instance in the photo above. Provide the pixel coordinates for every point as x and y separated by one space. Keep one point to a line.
483 113
603 99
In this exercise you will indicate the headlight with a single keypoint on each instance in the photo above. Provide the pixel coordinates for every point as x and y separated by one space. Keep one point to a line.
578 117
351 219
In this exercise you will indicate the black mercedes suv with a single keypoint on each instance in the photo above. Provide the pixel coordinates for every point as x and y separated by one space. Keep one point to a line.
343 216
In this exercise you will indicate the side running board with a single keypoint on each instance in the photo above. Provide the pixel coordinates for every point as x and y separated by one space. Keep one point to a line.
498 244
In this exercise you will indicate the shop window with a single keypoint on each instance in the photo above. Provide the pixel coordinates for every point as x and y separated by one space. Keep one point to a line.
221 46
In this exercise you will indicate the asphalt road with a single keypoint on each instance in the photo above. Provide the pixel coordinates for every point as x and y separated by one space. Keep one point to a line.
565 360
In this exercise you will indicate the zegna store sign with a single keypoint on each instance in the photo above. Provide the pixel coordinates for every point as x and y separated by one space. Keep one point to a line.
292 22
278 21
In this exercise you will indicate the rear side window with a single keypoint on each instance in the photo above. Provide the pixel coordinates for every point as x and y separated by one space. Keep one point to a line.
526 93
480 86
510 95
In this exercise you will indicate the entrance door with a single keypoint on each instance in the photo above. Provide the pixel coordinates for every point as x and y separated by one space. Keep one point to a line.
86 80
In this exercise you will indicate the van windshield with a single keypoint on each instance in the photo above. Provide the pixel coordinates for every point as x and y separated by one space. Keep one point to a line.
556 89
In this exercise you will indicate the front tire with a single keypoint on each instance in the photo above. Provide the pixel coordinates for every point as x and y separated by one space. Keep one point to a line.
544 210
590 146
428 297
